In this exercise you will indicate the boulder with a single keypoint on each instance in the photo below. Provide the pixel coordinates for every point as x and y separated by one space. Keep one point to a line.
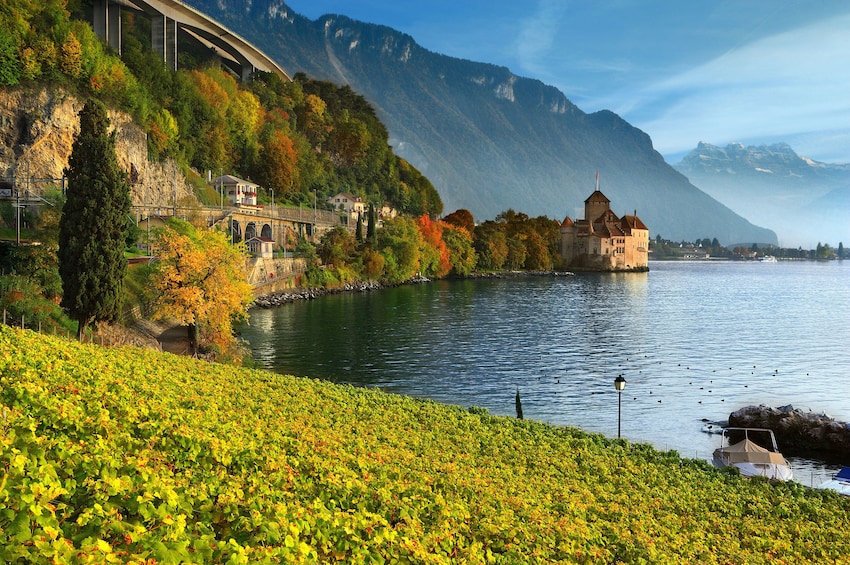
797 432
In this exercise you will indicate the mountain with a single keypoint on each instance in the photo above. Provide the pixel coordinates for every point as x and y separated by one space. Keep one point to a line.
487 139
804 201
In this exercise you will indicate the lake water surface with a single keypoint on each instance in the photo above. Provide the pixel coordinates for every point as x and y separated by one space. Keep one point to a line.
694 340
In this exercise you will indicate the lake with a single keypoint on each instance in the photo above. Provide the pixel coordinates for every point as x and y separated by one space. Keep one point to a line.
694 341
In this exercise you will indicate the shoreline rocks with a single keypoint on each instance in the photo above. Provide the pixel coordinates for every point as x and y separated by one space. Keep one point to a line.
280 298
276 299
512 274
798 432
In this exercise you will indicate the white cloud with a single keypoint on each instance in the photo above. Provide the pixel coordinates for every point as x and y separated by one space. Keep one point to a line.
780 86
537 33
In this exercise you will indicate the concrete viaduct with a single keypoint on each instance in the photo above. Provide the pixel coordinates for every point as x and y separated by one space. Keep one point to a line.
168 18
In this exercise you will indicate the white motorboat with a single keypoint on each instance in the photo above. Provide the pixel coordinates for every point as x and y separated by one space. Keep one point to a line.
840 483
751 458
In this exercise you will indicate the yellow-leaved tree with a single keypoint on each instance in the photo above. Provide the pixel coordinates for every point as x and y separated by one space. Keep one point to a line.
200 280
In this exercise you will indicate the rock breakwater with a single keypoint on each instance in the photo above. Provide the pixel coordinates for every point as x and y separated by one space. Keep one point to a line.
296 294
273 300
797 432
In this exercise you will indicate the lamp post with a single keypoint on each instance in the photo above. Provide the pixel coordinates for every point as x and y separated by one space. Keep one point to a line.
619 384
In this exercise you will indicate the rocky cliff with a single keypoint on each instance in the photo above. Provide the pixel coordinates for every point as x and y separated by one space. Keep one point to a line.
37 131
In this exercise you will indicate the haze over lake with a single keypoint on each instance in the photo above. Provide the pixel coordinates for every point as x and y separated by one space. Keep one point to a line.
694 340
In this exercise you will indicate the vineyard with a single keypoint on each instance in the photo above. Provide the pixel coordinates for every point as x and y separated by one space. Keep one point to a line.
119 455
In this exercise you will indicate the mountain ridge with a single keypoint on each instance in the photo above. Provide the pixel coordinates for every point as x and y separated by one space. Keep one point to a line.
488 139
807 201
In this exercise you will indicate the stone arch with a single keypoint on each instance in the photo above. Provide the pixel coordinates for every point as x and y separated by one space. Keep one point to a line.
266 231
250 231
236 231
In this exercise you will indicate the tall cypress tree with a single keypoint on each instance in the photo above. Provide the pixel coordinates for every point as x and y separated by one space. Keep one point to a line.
358 233
93 224
371 229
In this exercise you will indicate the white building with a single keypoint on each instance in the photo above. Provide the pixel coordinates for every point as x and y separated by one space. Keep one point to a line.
238 192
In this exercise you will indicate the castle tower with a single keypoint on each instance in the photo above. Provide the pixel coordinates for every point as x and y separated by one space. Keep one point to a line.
595 205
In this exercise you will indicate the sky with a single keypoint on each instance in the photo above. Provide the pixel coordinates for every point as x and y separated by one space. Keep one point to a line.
719 71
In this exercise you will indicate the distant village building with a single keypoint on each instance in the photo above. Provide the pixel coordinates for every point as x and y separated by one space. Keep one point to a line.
602 241
353 206
237 191
387 212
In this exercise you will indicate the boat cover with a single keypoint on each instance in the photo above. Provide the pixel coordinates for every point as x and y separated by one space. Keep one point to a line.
746 451
843 474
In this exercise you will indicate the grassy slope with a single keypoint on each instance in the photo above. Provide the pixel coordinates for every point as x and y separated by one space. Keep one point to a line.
128 455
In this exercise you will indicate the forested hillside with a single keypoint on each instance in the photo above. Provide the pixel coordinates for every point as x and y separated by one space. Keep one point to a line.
294 138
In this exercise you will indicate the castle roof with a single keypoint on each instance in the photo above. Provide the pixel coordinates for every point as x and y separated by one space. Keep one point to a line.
597 196
567 223
633 223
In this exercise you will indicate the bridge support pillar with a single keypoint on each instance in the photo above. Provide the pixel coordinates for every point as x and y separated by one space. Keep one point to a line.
106 21
164 39
247 71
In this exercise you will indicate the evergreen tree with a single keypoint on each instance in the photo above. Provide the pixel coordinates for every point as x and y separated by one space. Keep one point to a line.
358 233
93 224
371 232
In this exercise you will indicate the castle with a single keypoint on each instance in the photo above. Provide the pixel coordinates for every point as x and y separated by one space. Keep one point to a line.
602 241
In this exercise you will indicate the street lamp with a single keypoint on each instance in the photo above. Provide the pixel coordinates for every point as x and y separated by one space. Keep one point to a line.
619 384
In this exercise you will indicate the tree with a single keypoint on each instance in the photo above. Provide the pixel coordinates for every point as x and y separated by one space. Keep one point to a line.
371 229
490 245
358 232
433 253
462 255
279 163
537 256
71 57
10 64
461 218
200 280
336 247
94 219
400 242
516 253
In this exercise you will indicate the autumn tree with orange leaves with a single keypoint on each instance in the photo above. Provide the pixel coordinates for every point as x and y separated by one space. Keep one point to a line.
434 258
200 281
461 218
279 161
